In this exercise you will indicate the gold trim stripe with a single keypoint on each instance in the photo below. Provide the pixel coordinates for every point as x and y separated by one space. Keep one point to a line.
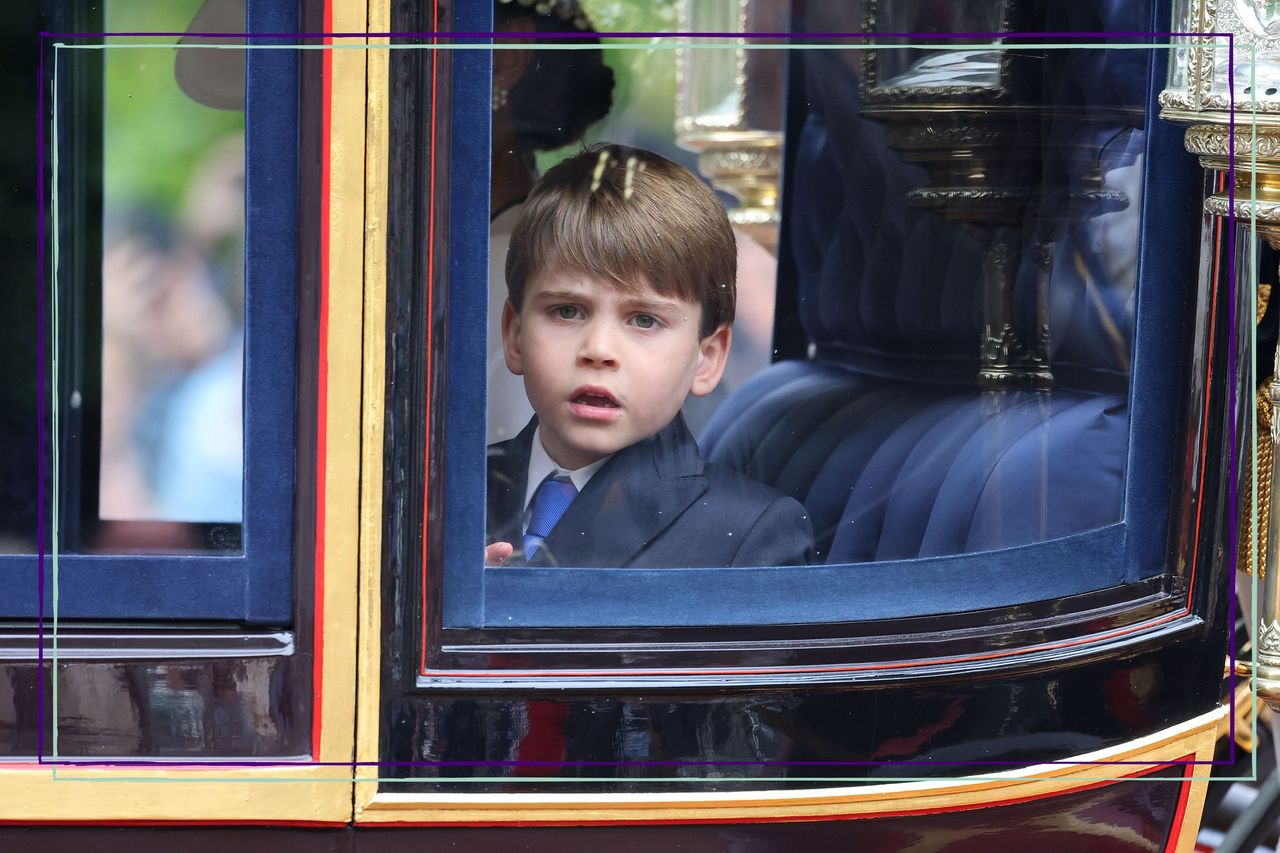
1195 737
368 696
345 371
302 793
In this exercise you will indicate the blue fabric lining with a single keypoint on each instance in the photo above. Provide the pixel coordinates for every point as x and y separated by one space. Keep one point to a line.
271 318
468 293
526 597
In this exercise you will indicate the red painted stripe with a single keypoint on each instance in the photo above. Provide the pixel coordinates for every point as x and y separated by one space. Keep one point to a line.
1208 386
322 390
1179 816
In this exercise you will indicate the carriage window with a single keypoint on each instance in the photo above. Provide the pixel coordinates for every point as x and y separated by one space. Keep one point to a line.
170 319
955 378
951 396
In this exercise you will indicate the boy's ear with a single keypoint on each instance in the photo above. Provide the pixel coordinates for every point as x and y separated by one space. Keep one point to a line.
713 352
511 339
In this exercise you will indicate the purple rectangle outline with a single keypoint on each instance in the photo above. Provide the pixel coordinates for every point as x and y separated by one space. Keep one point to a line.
1233 496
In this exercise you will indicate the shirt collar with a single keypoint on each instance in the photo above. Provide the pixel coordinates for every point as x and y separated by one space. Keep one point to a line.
541 465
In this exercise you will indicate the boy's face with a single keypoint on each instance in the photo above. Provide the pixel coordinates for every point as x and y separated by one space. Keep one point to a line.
605 368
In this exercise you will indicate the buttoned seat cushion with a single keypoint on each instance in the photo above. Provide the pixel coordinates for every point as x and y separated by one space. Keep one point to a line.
882 433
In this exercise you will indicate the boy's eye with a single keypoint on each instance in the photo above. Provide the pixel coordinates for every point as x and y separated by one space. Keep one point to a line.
565 312
646 321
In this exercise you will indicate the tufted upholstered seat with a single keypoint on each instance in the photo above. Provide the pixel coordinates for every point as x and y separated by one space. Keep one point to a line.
882 431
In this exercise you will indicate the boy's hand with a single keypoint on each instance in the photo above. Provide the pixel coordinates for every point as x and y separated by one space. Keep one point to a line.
497 553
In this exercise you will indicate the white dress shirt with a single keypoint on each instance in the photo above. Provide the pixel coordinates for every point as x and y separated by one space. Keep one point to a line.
541 465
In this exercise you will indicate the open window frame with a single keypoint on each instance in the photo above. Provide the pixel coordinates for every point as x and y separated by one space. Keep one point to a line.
252 584
1158 570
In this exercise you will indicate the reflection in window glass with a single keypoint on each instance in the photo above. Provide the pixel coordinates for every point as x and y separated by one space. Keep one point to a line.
922 69
172 284
964 380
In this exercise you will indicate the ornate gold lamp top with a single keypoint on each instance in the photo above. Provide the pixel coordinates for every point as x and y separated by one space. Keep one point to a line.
1229 58
1221 38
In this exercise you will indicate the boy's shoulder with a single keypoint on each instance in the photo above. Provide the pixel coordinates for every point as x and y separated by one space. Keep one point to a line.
774 529
735 520
738 491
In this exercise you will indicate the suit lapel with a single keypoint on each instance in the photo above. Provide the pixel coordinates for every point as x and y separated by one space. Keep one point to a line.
629 502
508 472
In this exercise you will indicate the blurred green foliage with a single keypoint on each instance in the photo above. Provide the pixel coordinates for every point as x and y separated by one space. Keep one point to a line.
154 135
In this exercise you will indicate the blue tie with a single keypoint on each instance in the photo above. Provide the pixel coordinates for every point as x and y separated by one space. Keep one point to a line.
549 503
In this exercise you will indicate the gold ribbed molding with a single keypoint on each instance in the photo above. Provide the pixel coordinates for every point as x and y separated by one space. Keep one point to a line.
1210 140
1256 170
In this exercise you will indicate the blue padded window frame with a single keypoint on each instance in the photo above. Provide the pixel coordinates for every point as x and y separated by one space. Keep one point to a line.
1121 553
254 587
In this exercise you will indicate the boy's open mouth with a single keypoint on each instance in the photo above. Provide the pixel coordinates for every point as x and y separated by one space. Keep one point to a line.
595 397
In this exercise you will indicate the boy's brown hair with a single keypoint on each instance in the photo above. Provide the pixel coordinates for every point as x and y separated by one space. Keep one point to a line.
624 215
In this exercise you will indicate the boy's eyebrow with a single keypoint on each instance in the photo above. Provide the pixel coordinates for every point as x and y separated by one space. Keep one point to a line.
560 294
632 302
653 304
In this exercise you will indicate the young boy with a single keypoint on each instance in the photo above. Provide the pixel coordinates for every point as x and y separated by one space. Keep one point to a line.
620 277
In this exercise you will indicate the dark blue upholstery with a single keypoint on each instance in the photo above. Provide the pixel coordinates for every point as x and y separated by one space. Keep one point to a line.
882 432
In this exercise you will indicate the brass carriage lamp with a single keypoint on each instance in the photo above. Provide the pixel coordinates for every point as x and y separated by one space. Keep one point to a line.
967 110
1199 94
729 107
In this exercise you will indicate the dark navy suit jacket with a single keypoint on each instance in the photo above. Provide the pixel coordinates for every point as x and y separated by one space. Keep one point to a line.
655 504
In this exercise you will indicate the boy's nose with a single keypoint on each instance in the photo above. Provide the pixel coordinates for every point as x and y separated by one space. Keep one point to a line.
598 347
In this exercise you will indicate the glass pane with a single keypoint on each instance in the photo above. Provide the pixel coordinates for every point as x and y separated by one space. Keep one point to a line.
172 286
966 291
